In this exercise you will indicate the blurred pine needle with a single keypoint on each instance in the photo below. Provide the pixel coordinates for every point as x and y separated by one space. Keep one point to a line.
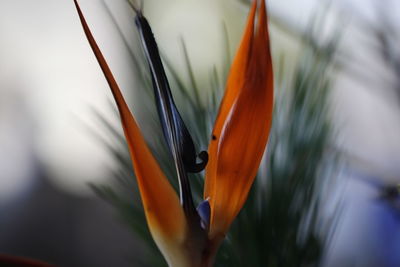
281 223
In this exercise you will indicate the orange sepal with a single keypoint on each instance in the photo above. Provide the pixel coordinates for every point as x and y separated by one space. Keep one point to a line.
164 214
242 126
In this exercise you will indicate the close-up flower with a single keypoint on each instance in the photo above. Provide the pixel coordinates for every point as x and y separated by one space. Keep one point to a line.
190 133
186 236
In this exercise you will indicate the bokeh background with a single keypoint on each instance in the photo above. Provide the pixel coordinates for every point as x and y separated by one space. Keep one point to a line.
50 83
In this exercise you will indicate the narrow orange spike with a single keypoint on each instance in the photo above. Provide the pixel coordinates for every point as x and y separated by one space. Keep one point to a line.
227 101
242 127
164 214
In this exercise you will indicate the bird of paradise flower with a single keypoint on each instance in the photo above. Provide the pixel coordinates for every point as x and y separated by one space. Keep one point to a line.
186 235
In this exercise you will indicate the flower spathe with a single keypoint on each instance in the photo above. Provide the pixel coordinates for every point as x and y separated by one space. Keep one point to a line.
238 141
242 126
164 215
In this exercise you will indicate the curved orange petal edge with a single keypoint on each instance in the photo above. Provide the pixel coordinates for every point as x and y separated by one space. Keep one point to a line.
242 126
164 214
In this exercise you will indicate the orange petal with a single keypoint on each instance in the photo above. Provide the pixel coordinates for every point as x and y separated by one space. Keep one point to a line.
242 127
164 214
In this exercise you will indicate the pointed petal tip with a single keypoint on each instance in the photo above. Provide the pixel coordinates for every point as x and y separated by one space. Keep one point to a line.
242 127
164 214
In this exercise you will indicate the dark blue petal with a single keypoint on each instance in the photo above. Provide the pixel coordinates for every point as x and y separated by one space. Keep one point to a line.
167 111
204 211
